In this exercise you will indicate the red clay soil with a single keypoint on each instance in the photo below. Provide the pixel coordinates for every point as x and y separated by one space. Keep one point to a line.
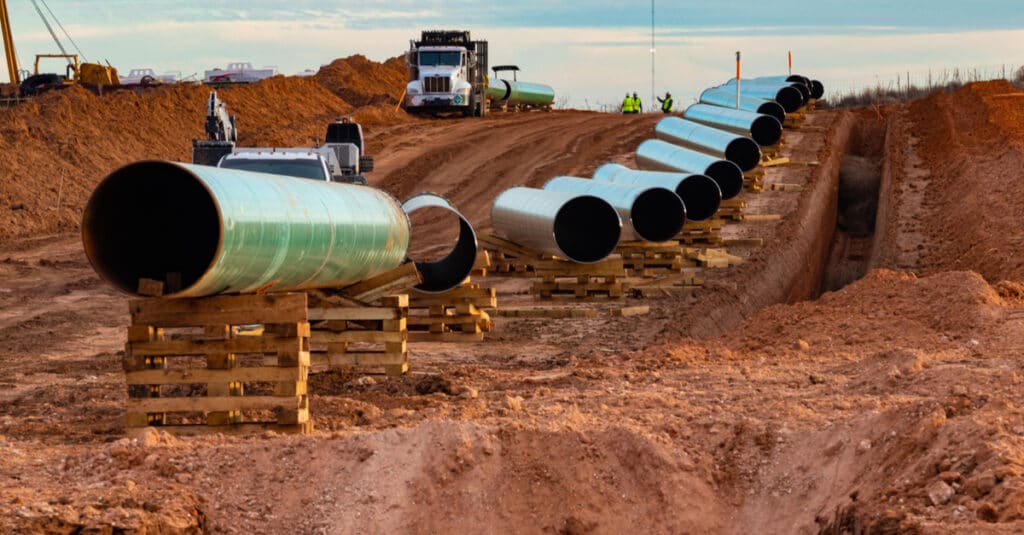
55 149
961 155
890 406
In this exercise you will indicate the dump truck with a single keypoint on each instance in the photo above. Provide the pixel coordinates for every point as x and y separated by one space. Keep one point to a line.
447 74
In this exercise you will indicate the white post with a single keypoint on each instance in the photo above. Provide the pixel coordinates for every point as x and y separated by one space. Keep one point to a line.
737 79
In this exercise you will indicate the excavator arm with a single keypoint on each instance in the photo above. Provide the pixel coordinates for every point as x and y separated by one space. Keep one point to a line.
9 54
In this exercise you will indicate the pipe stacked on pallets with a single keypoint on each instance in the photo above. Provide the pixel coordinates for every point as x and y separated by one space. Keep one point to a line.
196 231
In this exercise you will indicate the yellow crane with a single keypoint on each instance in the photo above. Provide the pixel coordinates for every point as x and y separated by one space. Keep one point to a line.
9 54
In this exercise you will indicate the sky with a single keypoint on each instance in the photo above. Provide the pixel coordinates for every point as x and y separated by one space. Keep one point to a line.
591 52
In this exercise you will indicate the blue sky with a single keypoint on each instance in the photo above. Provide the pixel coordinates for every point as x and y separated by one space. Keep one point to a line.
591 52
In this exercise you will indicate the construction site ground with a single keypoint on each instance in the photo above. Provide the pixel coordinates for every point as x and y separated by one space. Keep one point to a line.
760 405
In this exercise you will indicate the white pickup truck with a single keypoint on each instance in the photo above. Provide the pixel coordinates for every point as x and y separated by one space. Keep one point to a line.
148 77
239 72
340 159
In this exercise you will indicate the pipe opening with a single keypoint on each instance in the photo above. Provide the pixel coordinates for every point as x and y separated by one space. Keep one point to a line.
766 131
790 99
701 196
658 215
728 177
151 220
744 152
817 89
773 109
587 229
443 243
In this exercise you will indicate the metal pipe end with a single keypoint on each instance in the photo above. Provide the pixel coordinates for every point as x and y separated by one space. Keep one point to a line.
766 130
774 109
790 98
728 177
587 229
817 89
744 152
701 197
448 272
658 214
151 220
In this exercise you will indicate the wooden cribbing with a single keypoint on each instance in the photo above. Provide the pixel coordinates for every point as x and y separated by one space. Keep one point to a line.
211 349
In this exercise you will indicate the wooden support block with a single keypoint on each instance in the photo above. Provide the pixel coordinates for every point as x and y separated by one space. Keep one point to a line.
631 311
775 162
221 403
231 309
762 217
398 280
186 376
354 313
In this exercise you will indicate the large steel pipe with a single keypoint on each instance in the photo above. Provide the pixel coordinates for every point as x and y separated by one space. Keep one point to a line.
792 78
449 272
727 99
700 195
817 89
206 230
786 96
581 228
764 129
515 92
657 155
648 213
805 92
738 149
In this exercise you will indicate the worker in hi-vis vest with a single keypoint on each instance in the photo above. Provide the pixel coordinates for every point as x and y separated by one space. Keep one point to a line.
637 105
627 104
666 103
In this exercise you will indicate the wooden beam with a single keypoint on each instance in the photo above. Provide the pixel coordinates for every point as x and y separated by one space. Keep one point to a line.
227 309
211 404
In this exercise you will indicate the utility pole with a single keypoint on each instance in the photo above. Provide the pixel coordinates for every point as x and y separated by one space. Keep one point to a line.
737 79
652 56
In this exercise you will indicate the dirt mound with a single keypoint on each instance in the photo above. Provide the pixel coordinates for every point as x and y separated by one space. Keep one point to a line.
956 159
882 307
54 149
362 82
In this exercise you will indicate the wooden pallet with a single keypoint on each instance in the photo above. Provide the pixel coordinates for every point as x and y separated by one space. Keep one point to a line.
510 258
702 232
370 338
208 345
600 280
732 209
482 264
647 259
453 316
753 181
684 284
713 257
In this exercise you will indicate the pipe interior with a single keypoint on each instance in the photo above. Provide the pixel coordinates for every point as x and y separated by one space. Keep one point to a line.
744 152
587 229
773 109
658 215
789 98
817 89
728 177
766 131
701 196
151 220
443 259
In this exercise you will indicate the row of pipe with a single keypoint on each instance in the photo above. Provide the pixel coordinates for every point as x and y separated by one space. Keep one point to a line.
206 230
516 93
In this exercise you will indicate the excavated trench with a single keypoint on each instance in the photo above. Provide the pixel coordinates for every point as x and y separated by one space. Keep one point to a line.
853 230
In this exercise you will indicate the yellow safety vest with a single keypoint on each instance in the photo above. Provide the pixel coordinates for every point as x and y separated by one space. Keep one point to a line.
627 105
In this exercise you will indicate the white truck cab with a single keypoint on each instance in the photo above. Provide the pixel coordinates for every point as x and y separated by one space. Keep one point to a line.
447 73
301 163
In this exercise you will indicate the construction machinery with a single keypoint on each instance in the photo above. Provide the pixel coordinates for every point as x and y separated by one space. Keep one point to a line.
447 73
339 159
9 53
91 75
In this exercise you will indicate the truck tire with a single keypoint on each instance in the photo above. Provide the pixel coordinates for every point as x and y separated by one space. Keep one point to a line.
365 164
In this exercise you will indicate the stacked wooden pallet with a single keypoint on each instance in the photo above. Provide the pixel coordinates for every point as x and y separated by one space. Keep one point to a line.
586 281
370 338
453 316
646 259
208 346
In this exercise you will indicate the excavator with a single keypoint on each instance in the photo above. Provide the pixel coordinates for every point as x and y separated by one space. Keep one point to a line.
93 75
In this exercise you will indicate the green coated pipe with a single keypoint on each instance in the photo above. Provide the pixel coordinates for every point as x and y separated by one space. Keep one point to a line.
206 230
518 93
